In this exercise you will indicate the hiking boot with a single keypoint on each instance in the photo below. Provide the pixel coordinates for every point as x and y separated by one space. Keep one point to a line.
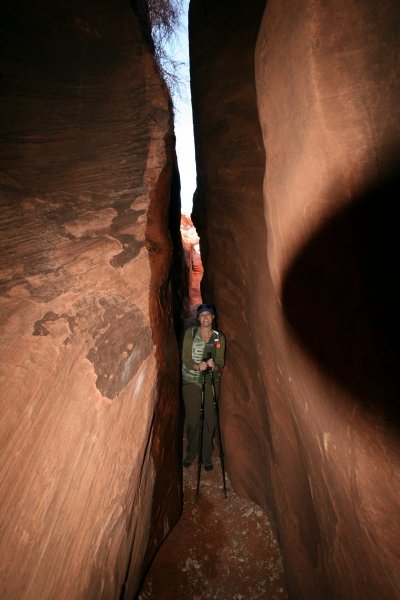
208 464
187 461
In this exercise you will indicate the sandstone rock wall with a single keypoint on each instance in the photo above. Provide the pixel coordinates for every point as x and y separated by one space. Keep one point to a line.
194 266
295 210
89 365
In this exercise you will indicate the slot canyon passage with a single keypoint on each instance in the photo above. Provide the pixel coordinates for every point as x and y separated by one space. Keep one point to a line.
296 124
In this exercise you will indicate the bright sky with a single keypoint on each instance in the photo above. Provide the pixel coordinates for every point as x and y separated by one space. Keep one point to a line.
179 50
186 157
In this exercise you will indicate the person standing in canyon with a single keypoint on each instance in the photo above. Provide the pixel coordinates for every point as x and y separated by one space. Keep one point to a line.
203 353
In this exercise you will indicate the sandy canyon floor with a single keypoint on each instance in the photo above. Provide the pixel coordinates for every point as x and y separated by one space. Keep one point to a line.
221 549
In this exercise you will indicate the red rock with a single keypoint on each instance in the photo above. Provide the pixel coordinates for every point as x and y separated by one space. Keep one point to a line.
89 363
191 247
295 211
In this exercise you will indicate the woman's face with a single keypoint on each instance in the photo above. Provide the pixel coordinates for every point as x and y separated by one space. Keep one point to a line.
206 319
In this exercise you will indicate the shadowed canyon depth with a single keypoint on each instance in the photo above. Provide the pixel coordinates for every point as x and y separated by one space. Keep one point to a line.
296 127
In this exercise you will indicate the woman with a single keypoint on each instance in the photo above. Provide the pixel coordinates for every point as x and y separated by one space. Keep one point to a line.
203 351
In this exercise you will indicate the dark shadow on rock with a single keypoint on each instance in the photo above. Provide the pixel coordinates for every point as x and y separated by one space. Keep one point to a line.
342 299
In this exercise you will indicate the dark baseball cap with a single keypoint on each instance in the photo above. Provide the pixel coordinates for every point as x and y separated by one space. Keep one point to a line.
205 308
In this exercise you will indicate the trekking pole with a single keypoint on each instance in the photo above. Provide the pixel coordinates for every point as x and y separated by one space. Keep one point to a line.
221 452
203 393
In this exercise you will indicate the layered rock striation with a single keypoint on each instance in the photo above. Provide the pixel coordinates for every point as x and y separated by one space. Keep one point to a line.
296 132
89 364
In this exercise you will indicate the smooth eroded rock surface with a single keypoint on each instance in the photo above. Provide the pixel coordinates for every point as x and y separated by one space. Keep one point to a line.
295 211
89 365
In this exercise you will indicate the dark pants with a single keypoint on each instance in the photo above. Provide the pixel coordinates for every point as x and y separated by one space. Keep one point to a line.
192 401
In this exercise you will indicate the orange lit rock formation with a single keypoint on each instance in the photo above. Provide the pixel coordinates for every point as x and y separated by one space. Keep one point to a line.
89 366
297 134
297 131
191 247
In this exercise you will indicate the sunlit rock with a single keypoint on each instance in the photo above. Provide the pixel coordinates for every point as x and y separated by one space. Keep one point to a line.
191 247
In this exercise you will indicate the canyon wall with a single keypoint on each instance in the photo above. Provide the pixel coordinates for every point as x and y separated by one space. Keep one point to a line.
90 483
296 132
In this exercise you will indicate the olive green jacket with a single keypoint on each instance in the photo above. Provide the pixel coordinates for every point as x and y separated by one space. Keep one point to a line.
195 350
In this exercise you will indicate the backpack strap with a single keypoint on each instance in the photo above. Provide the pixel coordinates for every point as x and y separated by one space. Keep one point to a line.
216 336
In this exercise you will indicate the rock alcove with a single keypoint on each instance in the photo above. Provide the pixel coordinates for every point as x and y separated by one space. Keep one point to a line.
297 131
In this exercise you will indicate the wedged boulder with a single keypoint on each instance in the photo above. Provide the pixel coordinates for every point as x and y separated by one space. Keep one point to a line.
298 246
89 363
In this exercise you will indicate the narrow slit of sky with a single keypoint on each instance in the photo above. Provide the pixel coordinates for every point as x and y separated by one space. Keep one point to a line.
179 51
